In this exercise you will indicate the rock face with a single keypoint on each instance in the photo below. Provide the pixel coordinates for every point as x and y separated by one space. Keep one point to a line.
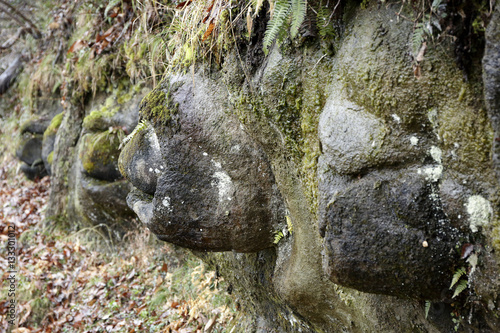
335 192
36 145
212 186
97 189
384 178
491 77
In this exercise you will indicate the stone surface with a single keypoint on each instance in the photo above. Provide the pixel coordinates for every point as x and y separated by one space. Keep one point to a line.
491 78
141 161
29 152
99 155
212 186
97 189
375 229
30 149
379 174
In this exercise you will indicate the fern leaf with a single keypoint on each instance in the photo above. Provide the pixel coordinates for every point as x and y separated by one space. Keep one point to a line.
458 274
289 224
417 38
299 8
325 28
461 286
141 126
277 237
427 308
277 23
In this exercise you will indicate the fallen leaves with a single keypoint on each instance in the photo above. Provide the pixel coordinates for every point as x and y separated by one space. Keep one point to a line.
66 285
122 18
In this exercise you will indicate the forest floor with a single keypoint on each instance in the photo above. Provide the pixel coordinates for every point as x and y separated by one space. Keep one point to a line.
74 281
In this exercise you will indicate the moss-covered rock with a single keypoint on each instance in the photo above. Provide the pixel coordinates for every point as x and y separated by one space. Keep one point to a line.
99 154
380 169
49 138
158 106
51 130
116 109
99 119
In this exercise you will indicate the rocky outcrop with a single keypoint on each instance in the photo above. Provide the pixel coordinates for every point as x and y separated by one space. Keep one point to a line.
97 190
81 148
491 78
37 143
376 184
10 73
335 188
212 186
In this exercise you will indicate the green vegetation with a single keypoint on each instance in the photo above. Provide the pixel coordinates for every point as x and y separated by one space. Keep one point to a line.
55 123
158 106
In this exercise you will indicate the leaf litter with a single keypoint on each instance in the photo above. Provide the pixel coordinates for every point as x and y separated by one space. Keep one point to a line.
66 283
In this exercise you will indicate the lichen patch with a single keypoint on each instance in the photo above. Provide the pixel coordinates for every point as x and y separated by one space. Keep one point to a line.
436 154
480 212
223 182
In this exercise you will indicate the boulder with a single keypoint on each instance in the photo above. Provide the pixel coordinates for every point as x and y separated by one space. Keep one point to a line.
212 186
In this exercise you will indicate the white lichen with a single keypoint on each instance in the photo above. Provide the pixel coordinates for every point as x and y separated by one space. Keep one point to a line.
414 141
166 202
223 182
432 173
480 212
436 154
396 118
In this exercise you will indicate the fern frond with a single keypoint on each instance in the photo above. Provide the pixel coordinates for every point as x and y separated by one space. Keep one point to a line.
278 236
325 28
427 308
140 126
299 9
461 286
418 38
289 224
458 274
277 24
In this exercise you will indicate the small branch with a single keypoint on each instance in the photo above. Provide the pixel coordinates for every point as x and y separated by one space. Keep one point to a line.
12 40
15 14
9 74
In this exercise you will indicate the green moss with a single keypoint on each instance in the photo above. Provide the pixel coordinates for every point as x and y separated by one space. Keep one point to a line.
95 120
383 83
100 149
292 102
158 106
50 158
54 125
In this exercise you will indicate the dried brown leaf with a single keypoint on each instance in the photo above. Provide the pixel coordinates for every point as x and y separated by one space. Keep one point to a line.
210 28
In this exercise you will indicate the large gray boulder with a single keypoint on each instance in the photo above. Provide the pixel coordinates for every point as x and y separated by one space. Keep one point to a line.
212 186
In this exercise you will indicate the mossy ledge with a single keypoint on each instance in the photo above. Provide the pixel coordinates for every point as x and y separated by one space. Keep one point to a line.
54 125
158 106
